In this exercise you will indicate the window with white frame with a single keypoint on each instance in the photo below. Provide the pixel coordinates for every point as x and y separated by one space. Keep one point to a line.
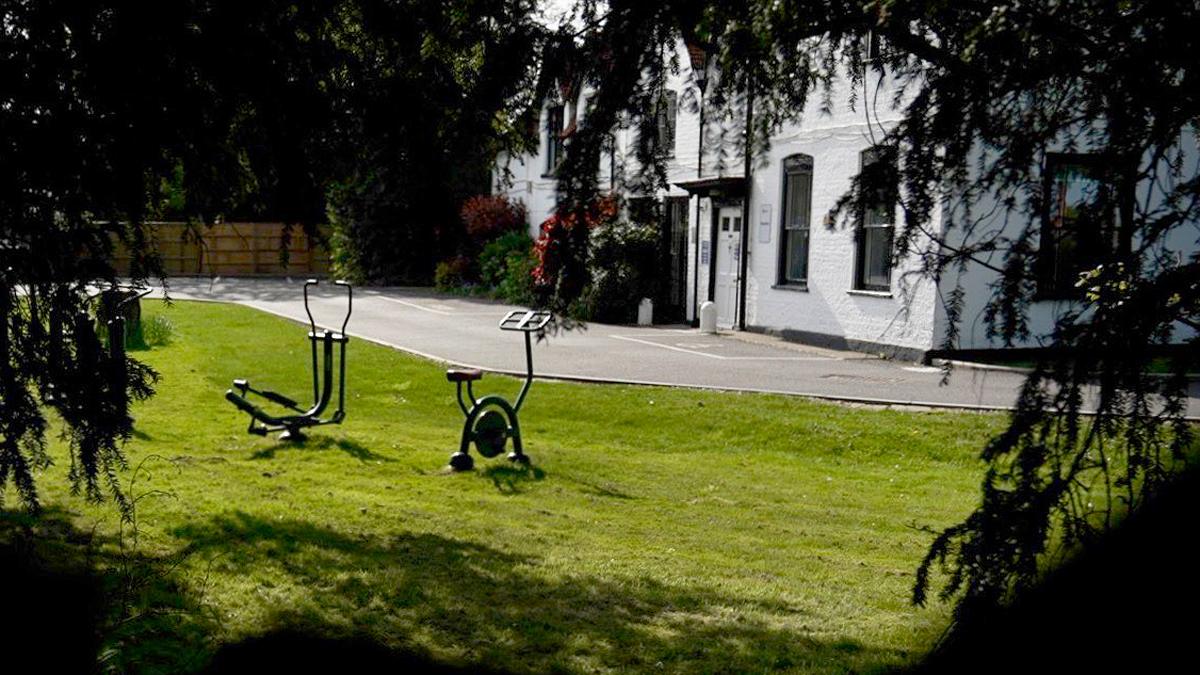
877 216
796 219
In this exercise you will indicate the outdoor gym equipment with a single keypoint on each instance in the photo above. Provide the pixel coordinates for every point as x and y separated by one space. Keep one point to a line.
292 425
113 308
492 420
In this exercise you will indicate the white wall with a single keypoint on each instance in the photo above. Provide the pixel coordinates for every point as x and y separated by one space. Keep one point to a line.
978 281
903 318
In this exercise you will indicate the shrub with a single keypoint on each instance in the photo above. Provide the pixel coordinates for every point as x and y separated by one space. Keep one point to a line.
489 216
506 266
158 331
624 263
493 261
452 273
561 249
517 285
384 231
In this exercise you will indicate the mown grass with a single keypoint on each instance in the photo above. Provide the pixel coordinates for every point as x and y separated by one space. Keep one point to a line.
658 529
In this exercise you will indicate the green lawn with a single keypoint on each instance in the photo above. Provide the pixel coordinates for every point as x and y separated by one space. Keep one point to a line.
659 529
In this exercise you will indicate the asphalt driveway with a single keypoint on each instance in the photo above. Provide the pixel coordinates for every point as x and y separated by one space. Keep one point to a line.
463 331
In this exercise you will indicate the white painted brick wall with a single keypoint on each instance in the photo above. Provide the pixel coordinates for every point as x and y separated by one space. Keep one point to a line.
977 280
906 319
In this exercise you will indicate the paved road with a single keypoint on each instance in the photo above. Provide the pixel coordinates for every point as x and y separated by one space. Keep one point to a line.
463 331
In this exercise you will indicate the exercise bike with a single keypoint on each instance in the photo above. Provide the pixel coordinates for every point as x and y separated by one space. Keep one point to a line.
293 425
492 420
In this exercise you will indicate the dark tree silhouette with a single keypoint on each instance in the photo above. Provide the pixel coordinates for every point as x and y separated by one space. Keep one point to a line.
112 113
988 91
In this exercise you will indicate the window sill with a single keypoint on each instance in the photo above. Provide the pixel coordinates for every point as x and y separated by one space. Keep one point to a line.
793 287
869 294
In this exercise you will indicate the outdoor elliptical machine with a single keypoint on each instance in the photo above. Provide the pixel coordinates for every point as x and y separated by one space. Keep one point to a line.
492 420
292 425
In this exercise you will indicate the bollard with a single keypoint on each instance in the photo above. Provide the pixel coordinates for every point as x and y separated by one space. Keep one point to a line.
645 312
708 317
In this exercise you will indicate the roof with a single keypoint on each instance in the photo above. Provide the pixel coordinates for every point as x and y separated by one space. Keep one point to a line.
724 186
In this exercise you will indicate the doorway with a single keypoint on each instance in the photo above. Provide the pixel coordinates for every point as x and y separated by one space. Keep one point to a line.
669 307
728 256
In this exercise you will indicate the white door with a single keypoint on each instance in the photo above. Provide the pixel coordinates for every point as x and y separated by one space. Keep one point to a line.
728 255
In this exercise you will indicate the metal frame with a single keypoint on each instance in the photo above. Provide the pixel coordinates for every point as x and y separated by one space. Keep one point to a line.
292 426
116 340
491 420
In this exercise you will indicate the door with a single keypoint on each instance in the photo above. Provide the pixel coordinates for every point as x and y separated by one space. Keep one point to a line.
669 306
728 261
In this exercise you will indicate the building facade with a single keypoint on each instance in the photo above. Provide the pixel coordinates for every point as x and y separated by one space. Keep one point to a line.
763 247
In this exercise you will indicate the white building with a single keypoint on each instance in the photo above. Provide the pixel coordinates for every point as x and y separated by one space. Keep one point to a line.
800 279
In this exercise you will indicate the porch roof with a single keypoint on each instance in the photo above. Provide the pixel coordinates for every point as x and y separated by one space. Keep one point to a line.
724 186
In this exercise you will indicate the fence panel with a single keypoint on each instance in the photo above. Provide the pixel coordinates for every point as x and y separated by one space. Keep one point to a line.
233 250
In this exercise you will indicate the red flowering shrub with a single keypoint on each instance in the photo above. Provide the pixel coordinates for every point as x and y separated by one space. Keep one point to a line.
561 250
489 216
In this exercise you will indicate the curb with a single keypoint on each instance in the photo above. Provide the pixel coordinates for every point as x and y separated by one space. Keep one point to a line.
561 377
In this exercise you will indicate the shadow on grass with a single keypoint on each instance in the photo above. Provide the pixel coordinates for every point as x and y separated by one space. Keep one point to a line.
493 607
1122 608
388 603
77 603
352 448
509 477
289 651
599 490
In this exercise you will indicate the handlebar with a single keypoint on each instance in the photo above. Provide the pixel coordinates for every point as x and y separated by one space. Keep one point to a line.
311 322
349 302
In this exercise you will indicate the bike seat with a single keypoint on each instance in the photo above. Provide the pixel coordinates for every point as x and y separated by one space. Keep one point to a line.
463 375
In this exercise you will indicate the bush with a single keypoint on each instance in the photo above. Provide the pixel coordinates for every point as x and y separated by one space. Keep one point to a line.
517 285
624 263
157 331
493 261
452 273
506 266
562 273
489 216
384 231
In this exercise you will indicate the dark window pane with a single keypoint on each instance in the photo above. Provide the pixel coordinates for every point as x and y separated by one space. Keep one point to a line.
797 207
797 255
879 197
876 257
725 224
554 144
1080 230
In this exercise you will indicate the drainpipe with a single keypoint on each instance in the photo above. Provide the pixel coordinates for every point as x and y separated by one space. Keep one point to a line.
696 251
745 238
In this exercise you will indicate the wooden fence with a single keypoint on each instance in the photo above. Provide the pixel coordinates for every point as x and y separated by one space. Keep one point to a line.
233 250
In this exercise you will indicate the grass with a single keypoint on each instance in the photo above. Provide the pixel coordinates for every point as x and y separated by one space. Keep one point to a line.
658 529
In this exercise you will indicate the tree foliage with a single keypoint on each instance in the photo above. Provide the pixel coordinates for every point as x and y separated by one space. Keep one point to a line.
433 91
113 113
984 92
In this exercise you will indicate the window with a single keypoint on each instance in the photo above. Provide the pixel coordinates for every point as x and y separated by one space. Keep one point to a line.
668 109
554 138
795 220
876 49
1081 228
877 212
